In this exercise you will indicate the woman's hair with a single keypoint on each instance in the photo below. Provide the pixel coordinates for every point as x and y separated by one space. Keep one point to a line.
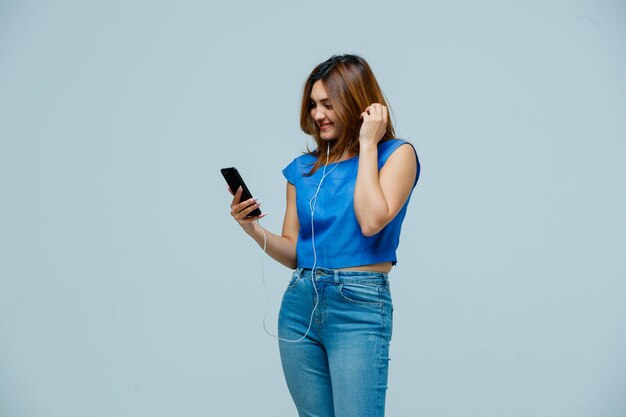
351 88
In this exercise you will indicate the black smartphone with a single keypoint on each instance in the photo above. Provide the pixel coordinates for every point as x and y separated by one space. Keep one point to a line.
234 181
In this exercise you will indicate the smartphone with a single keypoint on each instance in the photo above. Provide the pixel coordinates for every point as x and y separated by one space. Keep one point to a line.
234 181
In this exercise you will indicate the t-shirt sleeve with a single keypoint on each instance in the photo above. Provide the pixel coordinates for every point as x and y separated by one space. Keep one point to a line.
290 172
387 148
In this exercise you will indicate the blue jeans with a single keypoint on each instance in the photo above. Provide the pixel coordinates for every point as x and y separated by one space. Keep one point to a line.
340 368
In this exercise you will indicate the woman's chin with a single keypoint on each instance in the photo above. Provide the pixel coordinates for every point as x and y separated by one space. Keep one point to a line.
326 136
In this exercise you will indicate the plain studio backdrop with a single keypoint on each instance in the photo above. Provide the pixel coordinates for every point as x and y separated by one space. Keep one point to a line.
126 289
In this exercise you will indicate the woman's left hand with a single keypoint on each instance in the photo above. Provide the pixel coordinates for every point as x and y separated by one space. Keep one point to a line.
374 124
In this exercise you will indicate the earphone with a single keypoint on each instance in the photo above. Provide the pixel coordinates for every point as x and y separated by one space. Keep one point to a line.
312 204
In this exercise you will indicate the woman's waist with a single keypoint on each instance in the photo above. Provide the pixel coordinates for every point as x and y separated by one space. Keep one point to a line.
377 267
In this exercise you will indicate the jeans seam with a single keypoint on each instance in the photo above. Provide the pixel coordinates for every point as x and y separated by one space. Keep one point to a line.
380 356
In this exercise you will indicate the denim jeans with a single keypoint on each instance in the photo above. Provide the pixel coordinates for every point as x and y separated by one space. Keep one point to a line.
340 368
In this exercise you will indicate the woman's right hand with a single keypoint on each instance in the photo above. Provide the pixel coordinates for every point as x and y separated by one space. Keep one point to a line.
240 210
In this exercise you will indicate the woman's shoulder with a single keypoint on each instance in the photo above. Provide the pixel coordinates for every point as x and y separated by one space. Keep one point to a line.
386 148
392 144
304 159
298 166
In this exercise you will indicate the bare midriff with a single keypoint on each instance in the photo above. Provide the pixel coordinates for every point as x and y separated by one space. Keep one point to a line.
379 267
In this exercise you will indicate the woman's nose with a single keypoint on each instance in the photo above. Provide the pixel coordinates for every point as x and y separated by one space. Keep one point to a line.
319 115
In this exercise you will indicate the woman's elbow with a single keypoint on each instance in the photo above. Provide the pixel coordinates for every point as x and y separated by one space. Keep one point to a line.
370 229
289 260
372 222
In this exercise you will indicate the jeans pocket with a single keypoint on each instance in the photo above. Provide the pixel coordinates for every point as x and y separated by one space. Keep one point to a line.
363 294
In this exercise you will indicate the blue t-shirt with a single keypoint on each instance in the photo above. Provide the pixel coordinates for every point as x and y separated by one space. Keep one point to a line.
339 242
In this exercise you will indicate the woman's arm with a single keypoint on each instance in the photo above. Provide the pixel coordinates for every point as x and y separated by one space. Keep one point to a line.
378 197
281 248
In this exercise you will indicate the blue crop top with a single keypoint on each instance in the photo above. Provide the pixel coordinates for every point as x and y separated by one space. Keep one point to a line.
339 242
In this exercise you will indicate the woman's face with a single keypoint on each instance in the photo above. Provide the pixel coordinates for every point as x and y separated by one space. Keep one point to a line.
323 113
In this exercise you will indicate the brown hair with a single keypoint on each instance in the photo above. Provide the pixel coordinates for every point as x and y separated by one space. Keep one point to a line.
351 87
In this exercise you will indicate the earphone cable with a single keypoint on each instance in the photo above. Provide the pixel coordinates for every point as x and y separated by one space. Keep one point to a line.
312 204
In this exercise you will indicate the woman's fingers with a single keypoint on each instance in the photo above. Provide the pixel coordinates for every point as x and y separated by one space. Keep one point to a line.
240 211
375 111
252 219
374 123
251 208
245 205
378 110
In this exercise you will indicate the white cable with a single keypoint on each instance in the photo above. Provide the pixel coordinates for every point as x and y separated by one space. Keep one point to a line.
312 204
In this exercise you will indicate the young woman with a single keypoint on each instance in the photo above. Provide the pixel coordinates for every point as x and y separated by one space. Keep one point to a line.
346 201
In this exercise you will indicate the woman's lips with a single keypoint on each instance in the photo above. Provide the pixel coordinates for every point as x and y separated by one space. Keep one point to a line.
325 126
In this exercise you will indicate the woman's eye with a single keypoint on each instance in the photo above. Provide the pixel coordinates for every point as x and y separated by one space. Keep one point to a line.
329 107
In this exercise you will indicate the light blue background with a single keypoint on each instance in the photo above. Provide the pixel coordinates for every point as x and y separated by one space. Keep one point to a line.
127 290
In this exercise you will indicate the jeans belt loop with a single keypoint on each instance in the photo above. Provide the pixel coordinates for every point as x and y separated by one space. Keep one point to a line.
336 276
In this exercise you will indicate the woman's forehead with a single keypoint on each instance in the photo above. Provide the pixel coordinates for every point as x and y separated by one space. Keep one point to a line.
318 91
